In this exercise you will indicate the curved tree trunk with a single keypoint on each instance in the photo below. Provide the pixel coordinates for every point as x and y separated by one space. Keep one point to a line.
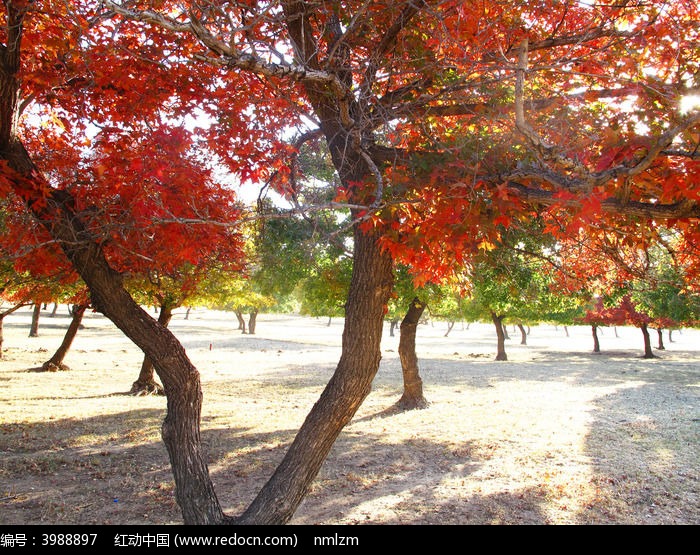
146 383
648 353
523 334
596 343
370 287
241 321
501 337
412 397
34 328
450 325
252 321
55 363
660 333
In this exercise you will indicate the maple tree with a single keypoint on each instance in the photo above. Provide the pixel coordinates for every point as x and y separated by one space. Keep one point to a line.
443 120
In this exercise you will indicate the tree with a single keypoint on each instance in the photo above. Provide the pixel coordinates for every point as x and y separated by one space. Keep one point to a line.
387 84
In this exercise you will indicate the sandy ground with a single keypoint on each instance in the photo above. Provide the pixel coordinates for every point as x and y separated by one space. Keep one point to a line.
555 435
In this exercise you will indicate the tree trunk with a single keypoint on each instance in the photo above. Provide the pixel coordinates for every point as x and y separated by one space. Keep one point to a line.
505 332
146 383
241 321
616 334
370 286
648 353
55 309
34 328
187 313
450 325
670 340
412 397
251 321
523 334
55 363
660 333
566 330
393 324
498 322
328 324
596 343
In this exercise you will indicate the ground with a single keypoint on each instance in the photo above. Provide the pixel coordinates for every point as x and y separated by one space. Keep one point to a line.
554 435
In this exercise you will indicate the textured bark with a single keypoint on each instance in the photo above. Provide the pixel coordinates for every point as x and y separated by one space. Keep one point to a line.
34 328
523 334
596 343
241 321
146 383
253 317
661 346
370 287
648 353
55 363
501 337
412 397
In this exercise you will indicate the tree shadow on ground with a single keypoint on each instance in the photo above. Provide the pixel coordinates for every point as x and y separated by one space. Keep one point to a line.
643 446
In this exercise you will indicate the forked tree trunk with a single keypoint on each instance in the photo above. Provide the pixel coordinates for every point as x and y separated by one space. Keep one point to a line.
241 321
146 383
596 343
55 363
660 333
34 328
253 316
648 353
450 325
370 286
523 334
501 337
412 397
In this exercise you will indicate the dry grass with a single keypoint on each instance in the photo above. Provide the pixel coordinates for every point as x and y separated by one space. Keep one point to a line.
555 435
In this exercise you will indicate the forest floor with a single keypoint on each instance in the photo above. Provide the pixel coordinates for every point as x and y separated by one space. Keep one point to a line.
554 435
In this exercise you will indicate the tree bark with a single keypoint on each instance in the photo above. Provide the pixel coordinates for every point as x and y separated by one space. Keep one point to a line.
660 333
34 328
393 324
412 397
241 321
370 286
253 316
55 363
648 353
523 334
596 343
146 383
501 337
194 490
